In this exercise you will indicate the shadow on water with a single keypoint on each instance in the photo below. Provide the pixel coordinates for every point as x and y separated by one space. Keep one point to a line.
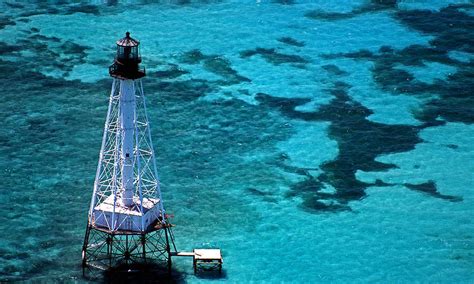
147 273
211 274
137 273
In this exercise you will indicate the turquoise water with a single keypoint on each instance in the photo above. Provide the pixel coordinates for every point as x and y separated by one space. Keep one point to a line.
311 142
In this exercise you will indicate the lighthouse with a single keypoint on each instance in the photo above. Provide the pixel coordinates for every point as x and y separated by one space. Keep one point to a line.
127 225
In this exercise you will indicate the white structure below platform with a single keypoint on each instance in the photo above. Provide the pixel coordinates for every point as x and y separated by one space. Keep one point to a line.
125 218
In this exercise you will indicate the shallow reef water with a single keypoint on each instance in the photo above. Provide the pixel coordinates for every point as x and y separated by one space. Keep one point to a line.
312 141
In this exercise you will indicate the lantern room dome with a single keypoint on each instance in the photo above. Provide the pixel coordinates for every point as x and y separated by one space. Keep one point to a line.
127 59
127 41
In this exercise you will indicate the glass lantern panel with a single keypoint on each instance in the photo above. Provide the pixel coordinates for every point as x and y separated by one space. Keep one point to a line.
134 54
120 52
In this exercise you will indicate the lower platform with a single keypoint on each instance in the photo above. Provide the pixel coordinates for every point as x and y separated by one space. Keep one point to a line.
112 251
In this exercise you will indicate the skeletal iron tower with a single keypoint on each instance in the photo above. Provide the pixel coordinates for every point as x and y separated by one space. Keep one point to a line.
127 225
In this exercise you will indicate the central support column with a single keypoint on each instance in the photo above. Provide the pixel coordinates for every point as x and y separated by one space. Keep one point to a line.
127 116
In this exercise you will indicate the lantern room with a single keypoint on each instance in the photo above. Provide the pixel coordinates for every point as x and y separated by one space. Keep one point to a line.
127 59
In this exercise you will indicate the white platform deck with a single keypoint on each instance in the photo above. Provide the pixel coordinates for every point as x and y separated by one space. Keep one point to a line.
209 259
125 218
108 206
207 254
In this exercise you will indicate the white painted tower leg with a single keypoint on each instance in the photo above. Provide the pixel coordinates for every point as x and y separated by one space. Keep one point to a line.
127 116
